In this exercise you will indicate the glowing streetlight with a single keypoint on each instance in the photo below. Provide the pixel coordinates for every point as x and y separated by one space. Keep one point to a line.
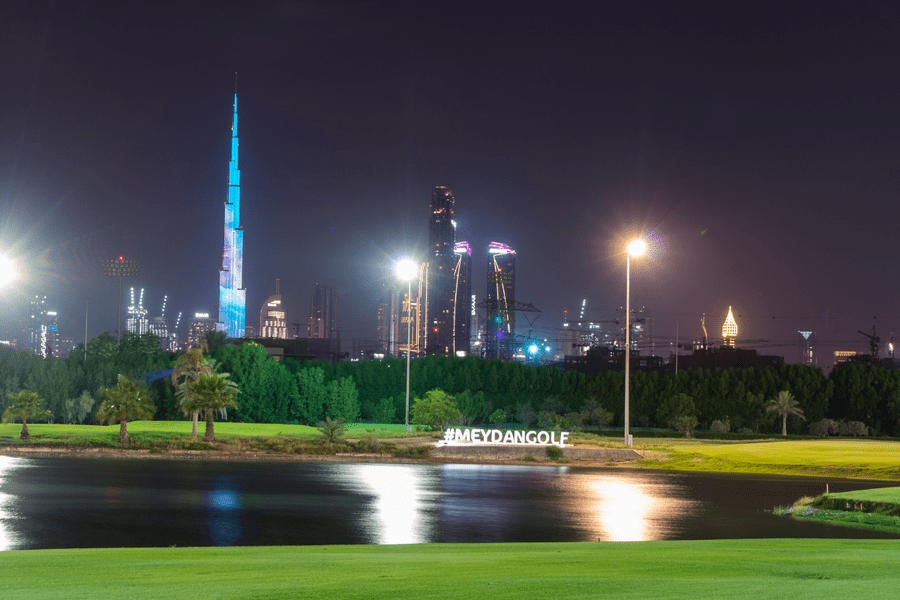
635 248
406 269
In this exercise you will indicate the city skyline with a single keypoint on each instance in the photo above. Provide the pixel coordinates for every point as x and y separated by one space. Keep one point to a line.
755 150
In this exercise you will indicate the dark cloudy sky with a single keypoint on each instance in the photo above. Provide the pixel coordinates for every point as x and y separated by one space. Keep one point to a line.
757 145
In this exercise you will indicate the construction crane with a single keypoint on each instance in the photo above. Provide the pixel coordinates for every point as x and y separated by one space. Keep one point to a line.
873 341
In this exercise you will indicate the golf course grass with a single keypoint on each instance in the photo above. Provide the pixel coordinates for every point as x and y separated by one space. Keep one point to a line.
782 568
829 457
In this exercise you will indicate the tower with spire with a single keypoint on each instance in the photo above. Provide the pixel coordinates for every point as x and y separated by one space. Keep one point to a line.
232 295
729 329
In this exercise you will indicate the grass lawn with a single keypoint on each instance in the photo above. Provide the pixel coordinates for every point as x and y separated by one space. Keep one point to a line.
887 495
142 431
835 457
737 569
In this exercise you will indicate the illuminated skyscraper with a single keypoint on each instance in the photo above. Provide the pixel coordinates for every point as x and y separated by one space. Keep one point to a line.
729 329
232 295
323 313
462 297
272 322
137 321
500 324
441 261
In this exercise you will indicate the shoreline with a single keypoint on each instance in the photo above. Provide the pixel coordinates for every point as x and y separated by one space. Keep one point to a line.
254 456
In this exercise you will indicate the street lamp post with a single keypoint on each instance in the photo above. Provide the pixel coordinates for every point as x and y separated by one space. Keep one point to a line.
635 248
406 271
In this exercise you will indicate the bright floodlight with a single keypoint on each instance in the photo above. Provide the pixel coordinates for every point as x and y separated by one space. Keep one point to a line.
405 269
7 270
637 247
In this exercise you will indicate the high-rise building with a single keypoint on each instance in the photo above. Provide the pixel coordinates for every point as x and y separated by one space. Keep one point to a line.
441 261
729 329
384 332
272 322
323 313
232 295
198 326
41 331
500 323
462 298
137 321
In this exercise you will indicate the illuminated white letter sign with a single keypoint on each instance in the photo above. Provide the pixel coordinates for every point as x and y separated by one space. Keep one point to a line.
456 436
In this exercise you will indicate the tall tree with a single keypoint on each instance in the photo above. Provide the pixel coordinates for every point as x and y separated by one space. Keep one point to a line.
190 366
212 393
128 401
26 406
785 405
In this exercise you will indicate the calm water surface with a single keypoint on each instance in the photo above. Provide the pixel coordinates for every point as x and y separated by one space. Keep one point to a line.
88 503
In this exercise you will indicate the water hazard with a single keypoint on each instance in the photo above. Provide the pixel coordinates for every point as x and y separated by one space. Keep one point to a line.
90 503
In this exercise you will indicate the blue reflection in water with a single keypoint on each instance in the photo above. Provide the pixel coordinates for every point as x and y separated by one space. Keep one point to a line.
224 519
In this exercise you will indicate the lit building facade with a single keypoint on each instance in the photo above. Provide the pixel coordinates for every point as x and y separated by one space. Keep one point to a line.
323 313
441 261
272 321
500 322
232 295
729 330
384 329
462 299
136 321
198 326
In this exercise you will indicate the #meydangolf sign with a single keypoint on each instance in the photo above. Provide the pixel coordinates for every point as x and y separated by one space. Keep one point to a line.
454 436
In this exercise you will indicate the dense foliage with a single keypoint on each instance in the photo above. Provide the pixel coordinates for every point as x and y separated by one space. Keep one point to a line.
308 392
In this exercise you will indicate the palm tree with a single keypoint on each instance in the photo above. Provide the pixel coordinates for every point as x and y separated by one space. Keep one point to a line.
215 340
212 392
785 405
127 401
190 366
25 405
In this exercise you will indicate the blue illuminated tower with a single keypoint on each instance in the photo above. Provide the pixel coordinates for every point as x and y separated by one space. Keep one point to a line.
232 295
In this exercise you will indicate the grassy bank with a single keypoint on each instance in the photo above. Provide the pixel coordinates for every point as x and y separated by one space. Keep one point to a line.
877 509
830 457
695 569
162 436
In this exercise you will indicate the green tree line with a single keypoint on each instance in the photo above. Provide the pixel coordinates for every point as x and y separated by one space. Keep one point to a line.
308 392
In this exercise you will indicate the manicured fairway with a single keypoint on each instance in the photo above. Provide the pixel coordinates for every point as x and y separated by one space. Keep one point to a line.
751 569
861 458
888 495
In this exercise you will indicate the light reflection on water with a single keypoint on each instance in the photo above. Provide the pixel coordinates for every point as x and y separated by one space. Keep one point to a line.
8 464
84 503
621 510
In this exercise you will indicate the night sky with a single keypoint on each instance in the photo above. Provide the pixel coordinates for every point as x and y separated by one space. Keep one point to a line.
757 146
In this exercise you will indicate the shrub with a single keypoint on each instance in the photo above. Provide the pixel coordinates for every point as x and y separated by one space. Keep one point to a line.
853 428
368 443
718 427
685 424
412 451
498 416
745 430
820 428
332 429
554 452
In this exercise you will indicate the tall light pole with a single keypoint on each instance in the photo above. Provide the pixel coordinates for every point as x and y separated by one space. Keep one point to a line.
405 269
635 248
119 267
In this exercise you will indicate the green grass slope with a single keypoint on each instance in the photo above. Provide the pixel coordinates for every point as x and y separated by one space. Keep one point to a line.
751 569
